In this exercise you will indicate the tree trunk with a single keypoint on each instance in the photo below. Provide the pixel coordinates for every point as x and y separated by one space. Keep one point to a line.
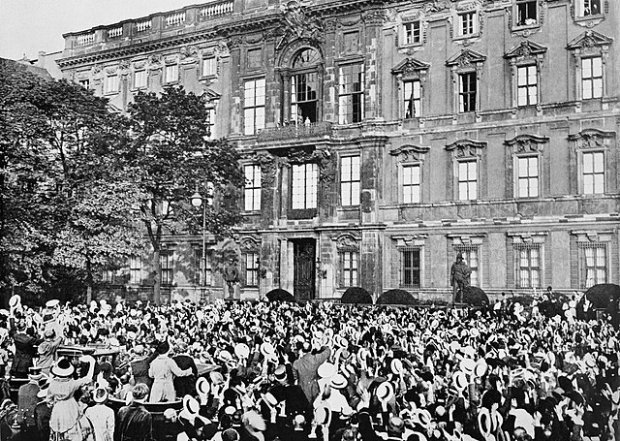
157 278
89 282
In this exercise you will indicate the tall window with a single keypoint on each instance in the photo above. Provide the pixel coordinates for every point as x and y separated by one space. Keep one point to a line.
350 180
139 79
468 180
411 183
165 261
529 267
467 23
411 32
410 267
252 192
171 74
110 84
588 7
305 185
135 270
594 265
591 77
411 89
208 273
351 94
527 12
349 263
527 168
254 106
527 85
593 173
251 269
209 66
470 257
467 92
304 97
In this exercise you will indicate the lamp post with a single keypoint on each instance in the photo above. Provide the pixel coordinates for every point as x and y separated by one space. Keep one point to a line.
197 201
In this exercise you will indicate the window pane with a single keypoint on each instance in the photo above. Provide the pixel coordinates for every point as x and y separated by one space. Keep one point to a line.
588 163
597 66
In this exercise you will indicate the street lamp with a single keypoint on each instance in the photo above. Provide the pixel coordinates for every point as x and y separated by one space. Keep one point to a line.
197 201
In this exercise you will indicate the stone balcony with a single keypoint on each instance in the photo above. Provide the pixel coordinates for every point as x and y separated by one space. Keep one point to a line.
294 132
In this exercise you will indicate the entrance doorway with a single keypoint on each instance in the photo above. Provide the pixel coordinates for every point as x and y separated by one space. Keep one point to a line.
304 269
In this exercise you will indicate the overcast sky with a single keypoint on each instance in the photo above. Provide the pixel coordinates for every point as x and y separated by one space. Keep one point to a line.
30 26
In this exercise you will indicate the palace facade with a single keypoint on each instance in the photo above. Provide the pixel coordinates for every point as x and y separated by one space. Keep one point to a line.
380 138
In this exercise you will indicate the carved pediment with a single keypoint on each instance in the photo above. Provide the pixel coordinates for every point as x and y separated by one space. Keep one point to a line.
527 143
466 57
347 241
211 94
249 243
465 147
589 39
298 23
409 152
410 66
592 138
526 49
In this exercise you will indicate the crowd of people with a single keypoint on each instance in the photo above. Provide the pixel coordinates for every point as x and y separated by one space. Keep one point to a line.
261 371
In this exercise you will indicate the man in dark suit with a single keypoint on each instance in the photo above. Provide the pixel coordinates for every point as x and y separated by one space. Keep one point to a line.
140 363
25 350
27 400
134 422
184 385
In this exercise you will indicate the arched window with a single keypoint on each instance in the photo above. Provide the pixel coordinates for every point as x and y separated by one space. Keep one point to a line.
305 87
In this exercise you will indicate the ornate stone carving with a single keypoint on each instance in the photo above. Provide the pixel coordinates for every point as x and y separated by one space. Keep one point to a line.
189 52
409 152
527 143
466 148
589 40
299 23
437 6
249 243
410 66
466 58
592 138
154 61
347 241
527 49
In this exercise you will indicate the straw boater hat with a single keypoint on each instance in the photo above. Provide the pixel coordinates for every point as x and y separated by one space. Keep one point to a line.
460 380
191 407
338 381
100 395
267 350
63 368
327 370
203 387
242 351
385 391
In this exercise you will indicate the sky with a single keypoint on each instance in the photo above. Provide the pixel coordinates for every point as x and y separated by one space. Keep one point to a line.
30 26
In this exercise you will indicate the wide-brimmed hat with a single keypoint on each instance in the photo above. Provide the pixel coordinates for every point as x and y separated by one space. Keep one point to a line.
242 351
467 365
460 380
53 303
63 368
338 381
396 366
327 370
203 387
15 301
267 350
100 395
385 391
280 373
480 368
422 417
191 406
34 373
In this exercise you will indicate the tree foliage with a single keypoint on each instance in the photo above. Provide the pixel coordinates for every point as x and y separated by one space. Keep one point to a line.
168 157
56 182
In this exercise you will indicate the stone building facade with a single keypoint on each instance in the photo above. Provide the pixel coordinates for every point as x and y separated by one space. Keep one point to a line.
381 138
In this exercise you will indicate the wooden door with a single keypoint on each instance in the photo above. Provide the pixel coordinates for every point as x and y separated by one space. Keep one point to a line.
305 269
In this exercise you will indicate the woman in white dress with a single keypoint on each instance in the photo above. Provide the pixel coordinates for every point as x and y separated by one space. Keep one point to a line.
66 422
